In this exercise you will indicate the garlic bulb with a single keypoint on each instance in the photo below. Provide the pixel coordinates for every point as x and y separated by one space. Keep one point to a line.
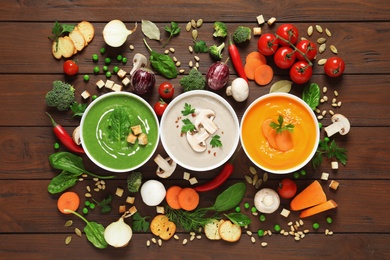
118 233
115 33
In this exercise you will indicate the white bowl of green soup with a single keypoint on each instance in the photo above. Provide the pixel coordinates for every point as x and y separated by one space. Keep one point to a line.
119 131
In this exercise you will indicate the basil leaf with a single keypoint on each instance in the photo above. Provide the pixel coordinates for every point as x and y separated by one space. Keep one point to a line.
163 64
95 234
229 198
239 219
62 181
311 95
150 30
67 161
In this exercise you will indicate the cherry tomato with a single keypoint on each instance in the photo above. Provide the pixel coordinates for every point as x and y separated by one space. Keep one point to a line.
308 48
70 67
288 32
267 44
160 107
166 90
287 188
284 57
334 67
301 72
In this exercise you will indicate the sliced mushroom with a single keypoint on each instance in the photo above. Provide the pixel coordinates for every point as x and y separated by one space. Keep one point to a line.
139 61
197 139
165 166
205 120
340 125
76 135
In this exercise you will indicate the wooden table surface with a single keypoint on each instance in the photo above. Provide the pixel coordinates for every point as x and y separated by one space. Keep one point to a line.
31 227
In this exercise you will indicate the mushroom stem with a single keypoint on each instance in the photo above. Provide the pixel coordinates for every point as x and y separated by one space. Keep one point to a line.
340 125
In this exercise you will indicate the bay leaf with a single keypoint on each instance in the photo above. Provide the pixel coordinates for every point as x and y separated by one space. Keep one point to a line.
281 86
150 30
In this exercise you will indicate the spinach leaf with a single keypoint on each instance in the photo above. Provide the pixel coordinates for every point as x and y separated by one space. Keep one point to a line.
118 125
311 95
239 219
62 181
162 63
229 198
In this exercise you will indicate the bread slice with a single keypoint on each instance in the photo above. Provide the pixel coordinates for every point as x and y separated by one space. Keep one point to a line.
87 29
65 48
211 229
229 232
78 39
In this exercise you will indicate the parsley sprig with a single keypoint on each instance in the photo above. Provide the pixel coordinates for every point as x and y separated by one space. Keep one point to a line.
140 223
104 205
188 126
173 29
59 29
215 141
330 150
279 127
187 110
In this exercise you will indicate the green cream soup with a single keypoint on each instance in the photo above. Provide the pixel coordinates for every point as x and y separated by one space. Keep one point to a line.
117 154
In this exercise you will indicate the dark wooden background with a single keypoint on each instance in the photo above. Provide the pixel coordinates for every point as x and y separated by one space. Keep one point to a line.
32 228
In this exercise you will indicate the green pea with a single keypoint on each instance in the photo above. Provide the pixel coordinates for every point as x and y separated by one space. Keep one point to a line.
56 145
320 125
105 68
329 220
108 74
102 50
260 232
119 57
277 228
96 69
303 172
107 60
87 203
326 139
124 60
262 217
246 205
91 205
296 175
238 209
86 77
94 97
95 57
253 209
316 225
115 69
85 211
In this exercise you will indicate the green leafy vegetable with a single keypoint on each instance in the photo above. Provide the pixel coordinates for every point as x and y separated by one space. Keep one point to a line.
193 81
62 182
311 95
279 127
188 126
173 29
229 198
215 141
200 46
78 109
239 219
162 63
134 181
188 110
58 30
118 125
104 205
61 96
140 223
330 150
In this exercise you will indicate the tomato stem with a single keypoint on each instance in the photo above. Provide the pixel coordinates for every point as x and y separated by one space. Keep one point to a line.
295 49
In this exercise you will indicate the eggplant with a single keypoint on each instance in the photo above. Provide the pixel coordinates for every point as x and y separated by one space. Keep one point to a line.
143 81
217 75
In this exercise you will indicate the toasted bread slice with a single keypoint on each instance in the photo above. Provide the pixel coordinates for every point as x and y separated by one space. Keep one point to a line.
162 227
78 39
211 229
65 48
229 232
87 29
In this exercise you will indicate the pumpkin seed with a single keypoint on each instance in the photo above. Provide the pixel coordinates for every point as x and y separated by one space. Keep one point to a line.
319 28
258 183
78 232
265 177
321 40
252 170
322 48
248 179
310 30
194 34
68 223
193 23
188 26
321 62
328 32
255 179
68 239
333 49
199 23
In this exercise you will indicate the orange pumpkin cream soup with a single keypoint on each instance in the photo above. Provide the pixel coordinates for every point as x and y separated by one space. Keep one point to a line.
279 133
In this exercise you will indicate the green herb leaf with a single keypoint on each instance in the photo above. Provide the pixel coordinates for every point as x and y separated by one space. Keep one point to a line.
104 205
78 109
279 127
118 125
188 110
311 95
330 150
140 223
215 141
174 29
239 219
59 29
188 126
229 198
200 47
162 63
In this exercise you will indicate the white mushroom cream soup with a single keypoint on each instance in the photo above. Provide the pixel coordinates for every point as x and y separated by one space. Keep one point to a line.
119 132
199 130
279 133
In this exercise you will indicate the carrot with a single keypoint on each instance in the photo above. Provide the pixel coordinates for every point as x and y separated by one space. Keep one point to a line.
269 133
312 195
284 141
68 200
188 199
330 204
256 55
263 74
172 197
250 67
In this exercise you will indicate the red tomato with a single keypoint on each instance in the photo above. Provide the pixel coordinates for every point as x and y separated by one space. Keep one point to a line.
160 107
288 32
309 48
267 44
287 188
70 67
284 57
166 90
301 72
334 67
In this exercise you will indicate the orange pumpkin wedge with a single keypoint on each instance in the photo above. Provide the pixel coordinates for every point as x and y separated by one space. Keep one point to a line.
330 204
311 196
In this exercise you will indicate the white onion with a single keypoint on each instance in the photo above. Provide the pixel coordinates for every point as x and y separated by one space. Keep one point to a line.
152 192
115 33
118 233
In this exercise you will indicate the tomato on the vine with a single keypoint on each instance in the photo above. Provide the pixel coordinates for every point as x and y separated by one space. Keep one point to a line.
284 57
160 107
308 47
301 72
267 44
166 90
287 188
70 67
289 33
334 66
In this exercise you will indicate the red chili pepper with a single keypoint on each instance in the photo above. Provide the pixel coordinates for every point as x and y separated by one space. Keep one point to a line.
64 137
236 60
227 170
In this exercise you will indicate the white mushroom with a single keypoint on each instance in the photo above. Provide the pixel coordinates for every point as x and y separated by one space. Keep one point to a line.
267 200
76 135
197 139
165 166
139 61
205 120
239 90
340 125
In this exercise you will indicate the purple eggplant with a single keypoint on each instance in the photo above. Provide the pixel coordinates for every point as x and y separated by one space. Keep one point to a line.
217 75
143 81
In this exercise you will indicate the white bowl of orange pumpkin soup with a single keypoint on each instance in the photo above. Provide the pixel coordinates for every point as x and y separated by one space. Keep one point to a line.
279 133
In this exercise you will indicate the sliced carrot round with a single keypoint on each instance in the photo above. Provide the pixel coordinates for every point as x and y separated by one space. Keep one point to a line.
263 74
250 68
172 197
68 200
284 141
188 199
269 133
256 55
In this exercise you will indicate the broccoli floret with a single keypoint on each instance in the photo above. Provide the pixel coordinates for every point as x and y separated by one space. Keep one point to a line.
134 181
220 29
193 81
61 96
216 51
242 34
